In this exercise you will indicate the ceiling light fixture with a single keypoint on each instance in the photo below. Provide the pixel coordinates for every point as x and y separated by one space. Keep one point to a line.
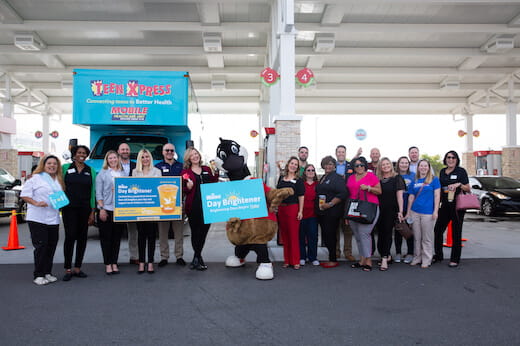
28 41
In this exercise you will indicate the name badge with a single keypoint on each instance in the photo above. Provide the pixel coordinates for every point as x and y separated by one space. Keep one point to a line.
72 170
293 181
87 173
453 176
166 170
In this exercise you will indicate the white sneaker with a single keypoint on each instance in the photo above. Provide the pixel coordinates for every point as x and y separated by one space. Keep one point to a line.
234 262
302 262
408 259
397 258
51 278
40 280
265 271
315 263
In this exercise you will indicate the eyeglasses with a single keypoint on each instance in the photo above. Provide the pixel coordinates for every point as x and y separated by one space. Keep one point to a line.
309 170
450 157
169 150
359 165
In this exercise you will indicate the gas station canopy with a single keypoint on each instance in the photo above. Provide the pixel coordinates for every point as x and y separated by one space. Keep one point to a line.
367 56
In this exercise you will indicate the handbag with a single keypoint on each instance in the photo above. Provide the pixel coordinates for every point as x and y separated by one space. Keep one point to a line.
404 229
467 201
361 211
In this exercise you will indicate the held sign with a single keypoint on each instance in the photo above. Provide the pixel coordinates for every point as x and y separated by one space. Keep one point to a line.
244 199
147 199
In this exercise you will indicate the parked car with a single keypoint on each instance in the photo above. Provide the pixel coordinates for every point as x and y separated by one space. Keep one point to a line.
10 189
496 194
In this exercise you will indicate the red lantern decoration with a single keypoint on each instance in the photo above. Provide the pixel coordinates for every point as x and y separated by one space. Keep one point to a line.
476 133
253 133
461 133
54 134
38 134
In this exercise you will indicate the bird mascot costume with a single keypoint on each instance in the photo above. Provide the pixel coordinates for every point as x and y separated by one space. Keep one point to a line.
250 234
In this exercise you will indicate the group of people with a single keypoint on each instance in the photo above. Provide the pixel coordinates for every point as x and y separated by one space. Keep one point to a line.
409 193
90 195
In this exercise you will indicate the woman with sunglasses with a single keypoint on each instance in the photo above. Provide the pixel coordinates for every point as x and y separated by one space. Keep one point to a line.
454 180
361 184
331 194
309 222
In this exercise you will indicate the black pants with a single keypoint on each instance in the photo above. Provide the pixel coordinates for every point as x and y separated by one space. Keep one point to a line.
329 224
146 234
199 231
44 238
75 222
398 241
262 254
447 213
385 226
110 238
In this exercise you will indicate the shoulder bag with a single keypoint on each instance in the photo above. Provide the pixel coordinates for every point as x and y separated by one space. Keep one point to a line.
360 210
465 201
404 228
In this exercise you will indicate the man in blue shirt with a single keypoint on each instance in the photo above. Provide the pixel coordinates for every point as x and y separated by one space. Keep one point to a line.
170 167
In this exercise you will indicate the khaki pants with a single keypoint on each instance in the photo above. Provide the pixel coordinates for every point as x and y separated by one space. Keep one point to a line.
347 239
423 225
164 227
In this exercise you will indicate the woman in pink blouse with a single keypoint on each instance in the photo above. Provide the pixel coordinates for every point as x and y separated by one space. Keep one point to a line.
361 184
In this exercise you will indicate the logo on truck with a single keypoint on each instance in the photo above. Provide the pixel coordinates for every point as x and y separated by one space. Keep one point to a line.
131 89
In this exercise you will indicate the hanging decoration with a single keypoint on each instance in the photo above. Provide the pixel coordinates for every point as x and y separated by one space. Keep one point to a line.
38 134
54 134
461 133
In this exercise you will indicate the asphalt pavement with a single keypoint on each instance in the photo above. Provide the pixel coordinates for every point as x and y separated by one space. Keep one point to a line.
477 303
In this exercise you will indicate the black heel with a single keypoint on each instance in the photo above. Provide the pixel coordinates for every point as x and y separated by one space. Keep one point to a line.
202 265
195 265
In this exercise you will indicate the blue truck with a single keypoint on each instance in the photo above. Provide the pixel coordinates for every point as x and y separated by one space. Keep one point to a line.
145 109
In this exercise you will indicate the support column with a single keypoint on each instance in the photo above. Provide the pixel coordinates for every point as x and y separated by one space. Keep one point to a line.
511 152
8 154
468 160
46 132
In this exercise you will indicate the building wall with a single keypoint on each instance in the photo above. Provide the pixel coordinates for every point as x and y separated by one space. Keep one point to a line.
511 162
9 161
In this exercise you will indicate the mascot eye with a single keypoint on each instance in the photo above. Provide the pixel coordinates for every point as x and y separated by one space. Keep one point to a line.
234 149
222 155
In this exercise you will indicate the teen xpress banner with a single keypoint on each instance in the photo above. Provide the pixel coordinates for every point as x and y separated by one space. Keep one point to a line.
109 97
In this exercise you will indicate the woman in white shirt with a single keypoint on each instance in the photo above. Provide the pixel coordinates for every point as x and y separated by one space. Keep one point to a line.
109 231
146 230
42 218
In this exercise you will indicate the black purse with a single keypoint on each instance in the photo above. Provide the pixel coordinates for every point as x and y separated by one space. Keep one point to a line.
361 211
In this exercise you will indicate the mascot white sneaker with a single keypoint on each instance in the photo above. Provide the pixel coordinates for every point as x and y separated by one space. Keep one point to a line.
251 234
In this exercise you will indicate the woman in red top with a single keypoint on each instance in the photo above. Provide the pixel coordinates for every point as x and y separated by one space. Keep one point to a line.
309 222
193 175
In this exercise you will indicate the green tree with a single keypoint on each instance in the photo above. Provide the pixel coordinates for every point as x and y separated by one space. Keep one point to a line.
435 162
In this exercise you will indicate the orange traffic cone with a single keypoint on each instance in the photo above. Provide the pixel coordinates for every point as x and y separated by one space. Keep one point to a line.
449 237
12 242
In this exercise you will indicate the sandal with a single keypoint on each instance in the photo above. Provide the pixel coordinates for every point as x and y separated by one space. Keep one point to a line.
296 266
366 268
356 265
285 265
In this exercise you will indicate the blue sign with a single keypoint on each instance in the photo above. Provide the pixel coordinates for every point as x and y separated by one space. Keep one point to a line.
147 199
361 134
244 199
110 97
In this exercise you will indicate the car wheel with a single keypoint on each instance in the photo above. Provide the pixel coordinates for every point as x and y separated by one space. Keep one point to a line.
487 208
21 214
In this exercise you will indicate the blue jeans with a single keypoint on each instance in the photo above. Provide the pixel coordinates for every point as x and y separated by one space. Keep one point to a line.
309 239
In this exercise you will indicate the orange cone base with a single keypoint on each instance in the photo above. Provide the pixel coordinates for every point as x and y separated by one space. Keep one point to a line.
13 248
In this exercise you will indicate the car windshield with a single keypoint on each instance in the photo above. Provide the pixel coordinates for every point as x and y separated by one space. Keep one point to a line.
5 177
499 183
153 143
